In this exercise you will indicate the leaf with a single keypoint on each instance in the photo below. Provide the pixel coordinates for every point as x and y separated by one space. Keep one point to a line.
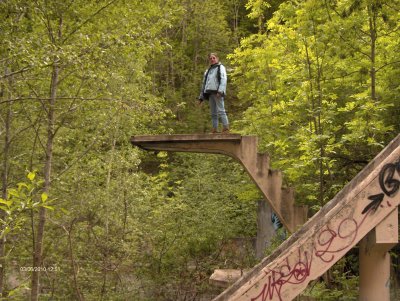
48 207
21 185
44 197
7 203
3 208
31 176
65 211
13 192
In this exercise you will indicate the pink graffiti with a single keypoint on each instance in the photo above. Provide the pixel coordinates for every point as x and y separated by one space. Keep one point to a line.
347 230
285 274
322 246
298 272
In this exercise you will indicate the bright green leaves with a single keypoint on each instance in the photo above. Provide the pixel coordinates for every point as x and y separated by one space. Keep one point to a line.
124 67
31 176
20 202
257 8
316 91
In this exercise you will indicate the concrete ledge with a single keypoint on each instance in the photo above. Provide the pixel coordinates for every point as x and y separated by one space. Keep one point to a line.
244 150
225 277
138 140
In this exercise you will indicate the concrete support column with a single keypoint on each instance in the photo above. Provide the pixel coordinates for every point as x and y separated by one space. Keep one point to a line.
265 228
374 259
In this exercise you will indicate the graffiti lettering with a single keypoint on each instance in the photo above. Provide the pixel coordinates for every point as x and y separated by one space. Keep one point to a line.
388 184
326 239
347 230
285 274
298 272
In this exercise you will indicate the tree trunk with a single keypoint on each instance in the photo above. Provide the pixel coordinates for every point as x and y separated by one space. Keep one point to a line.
315 119
372 29
265 228
4 179
78 293
38 247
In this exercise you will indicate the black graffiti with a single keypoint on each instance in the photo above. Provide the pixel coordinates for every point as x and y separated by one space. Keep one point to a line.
376 201
388 184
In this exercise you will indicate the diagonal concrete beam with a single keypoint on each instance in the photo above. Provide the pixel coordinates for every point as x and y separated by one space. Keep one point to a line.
244 150
368 201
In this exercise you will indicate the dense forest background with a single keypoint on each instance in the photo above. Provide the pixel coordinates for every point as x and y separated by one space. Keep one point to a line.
317 81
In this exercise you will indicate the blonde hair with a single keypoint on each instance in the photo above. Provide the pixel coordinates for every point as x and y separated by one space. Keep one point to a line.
213 54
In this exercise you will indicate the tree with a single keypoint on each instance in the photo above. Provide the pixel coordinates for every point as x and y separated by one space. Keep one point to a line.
61 64
179 68
316 93
305 92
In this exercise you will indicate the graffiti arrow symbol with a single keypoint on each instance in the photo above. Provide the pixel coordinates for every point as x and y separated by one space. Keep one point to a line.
376 201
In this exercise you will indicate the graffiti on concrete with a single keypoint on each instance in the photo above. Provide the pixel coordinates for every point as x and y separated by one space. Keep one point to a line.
286 273
389 185
294 270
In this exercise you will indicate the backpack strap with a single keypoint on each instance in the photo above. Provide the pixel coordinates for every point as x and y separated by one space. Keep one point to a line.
219 75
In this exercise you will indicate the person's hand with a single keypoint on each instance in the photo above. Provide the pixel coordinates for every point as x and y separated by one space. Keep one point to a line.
219 95
199 102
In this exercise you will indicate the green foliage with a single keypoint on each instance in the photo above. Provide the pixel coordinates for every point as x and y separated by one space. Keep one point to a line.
308 97
20 201
188 223
344 286
197 28
309 78
314 91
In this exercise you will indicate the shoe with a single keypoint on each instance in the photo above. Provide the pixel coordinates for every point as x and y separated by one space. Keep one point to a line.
225 130
214 131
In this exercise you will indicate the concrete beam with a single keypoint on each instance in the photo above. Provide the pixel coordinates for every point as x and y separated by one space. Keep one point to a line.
244 150
374 259
326 237
225 277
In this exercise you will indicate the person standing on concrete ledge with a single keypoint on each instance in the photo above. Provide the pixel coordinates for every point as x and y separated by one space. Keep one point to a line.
213 89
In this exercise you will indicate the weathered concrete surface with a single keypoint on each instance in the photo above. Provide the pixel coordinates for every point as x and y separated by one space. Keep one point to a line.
371 197
244 150
265 228
374 259
196 143
225 277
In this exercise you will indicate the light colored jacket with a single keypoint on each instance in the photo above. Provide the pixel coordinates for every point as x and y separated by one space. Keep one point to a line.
212 82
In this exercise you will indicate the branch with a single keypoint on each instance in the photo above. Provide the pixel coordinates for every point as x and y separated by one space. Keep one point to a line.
15 72
327 6
83 154
87 20
61 98
385 65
